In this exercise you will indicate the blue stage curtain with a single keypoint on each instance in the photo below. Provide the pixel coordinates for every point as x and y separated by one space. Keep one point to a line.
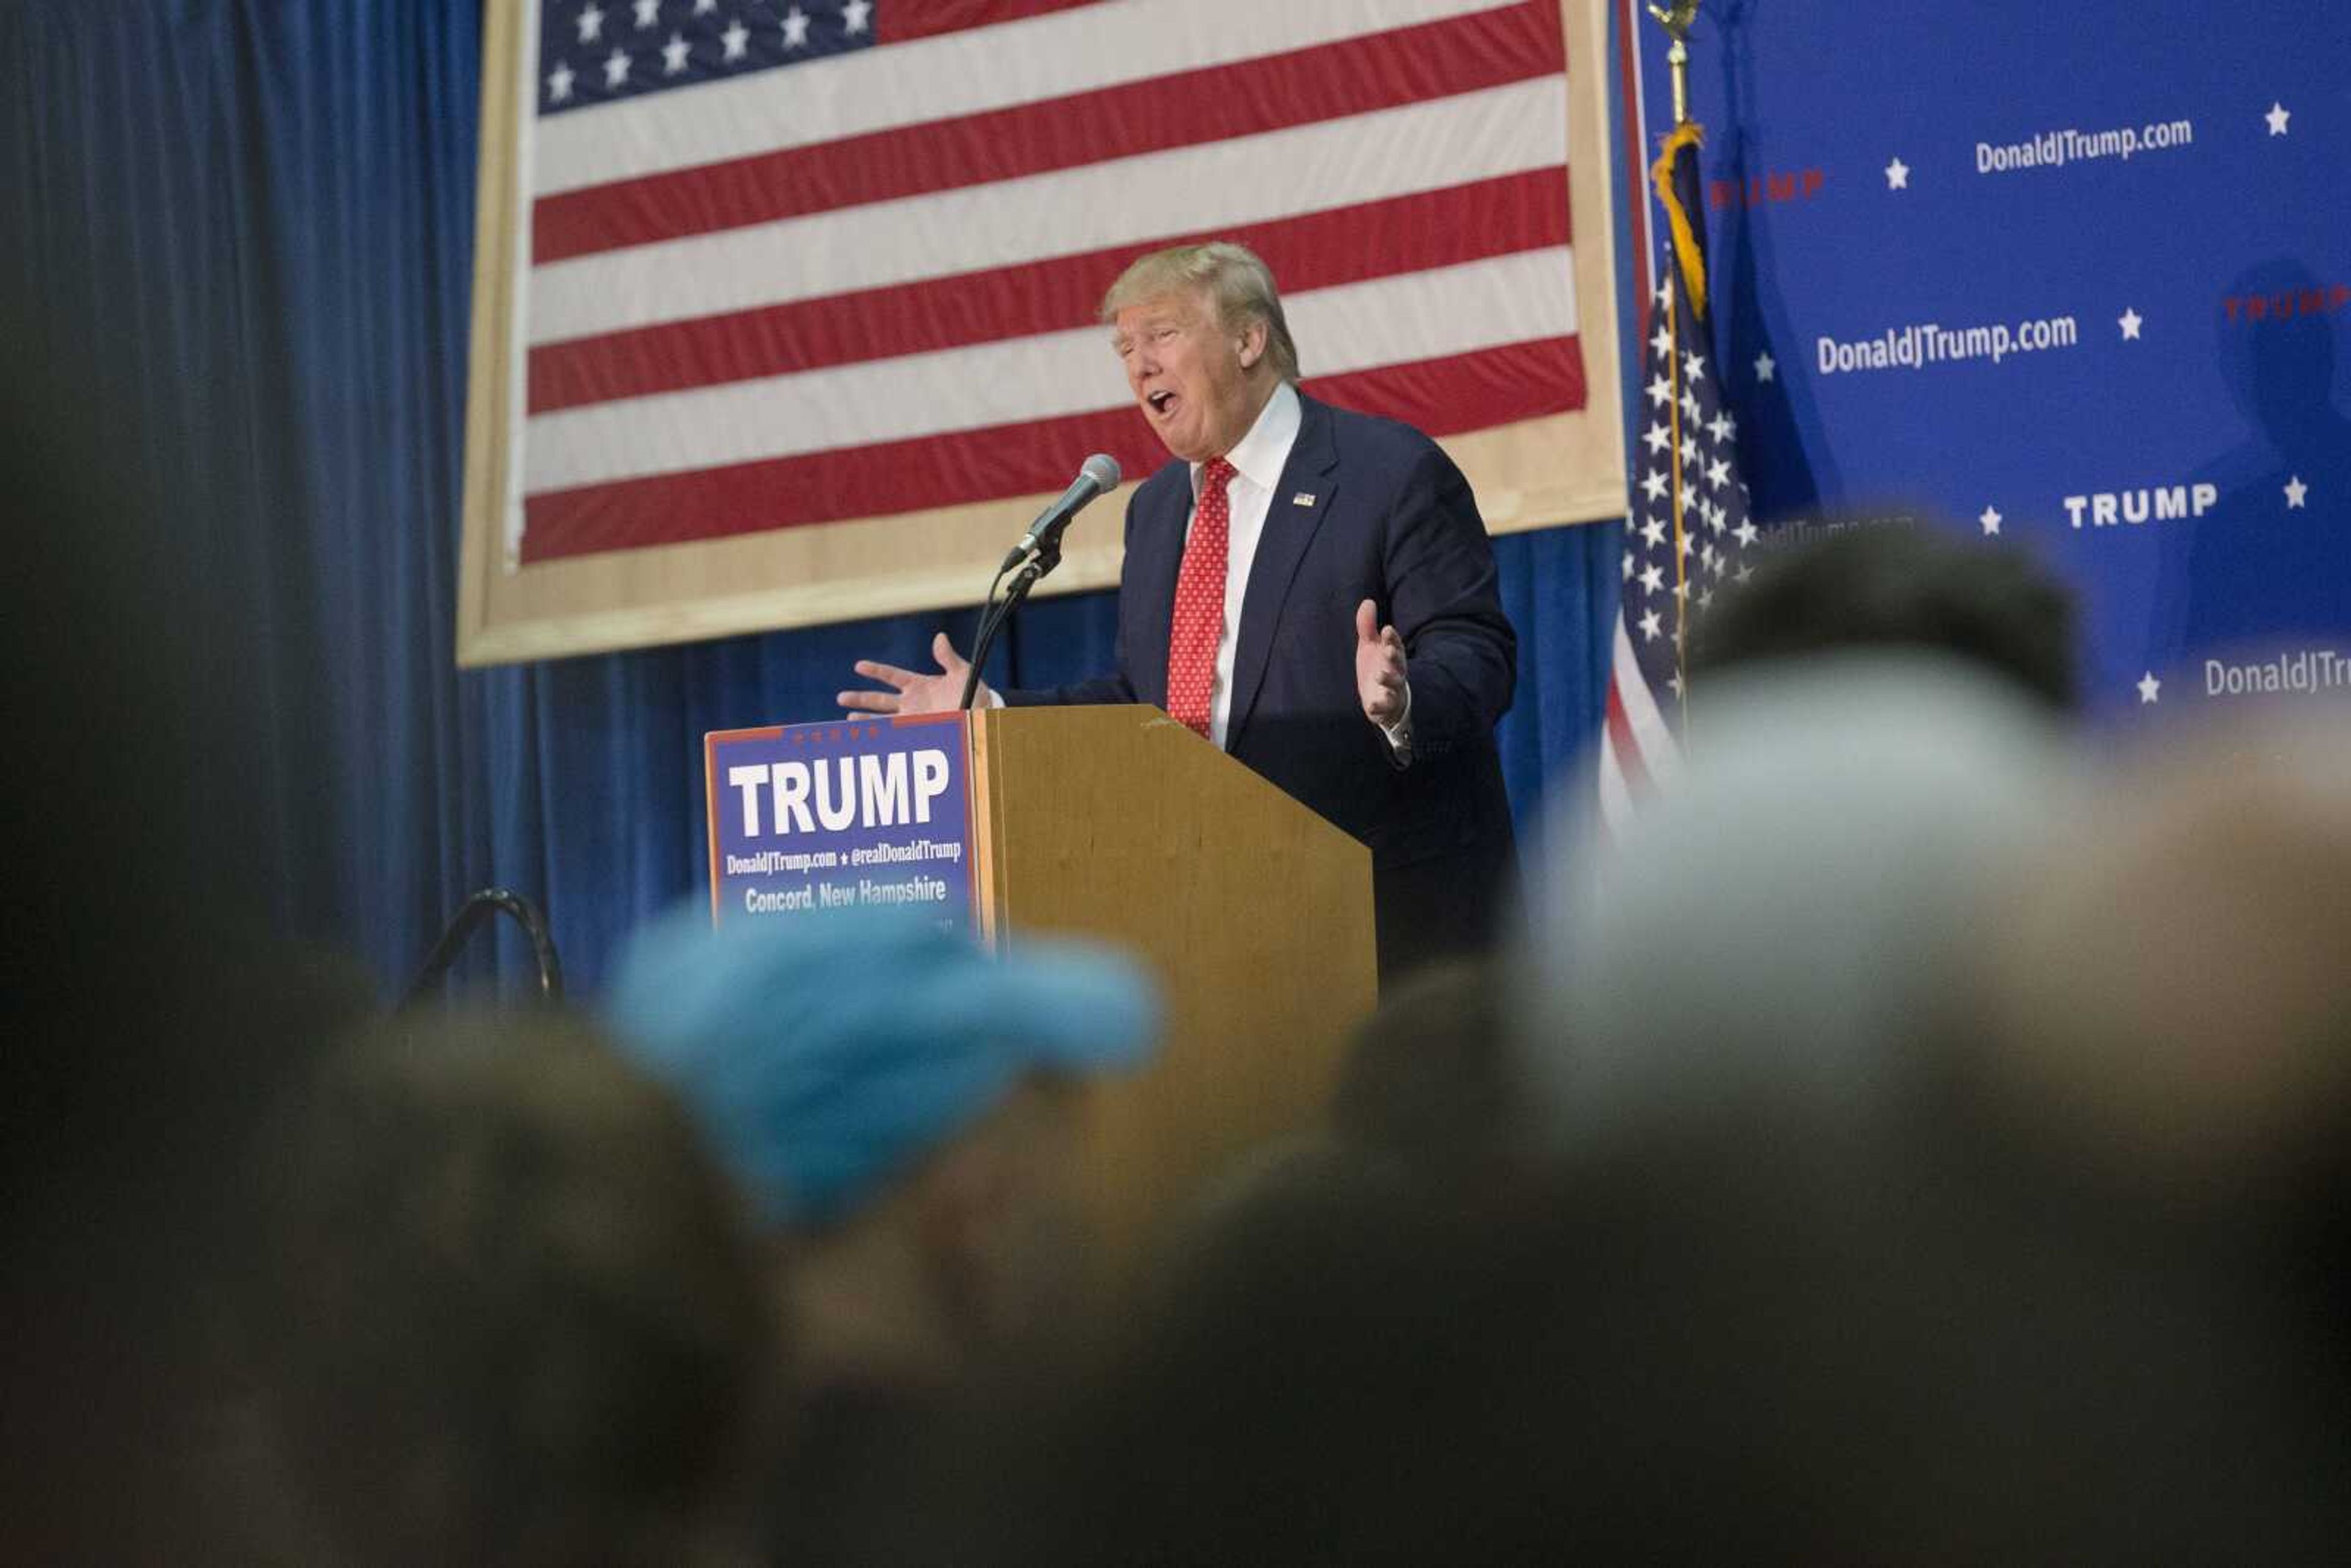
258 217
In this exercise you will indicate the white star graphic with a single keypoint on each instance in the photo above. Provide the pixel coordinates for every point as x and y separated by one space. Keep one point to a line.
1689 404
1663 342
1653 578
558 83
1706 599
616 68
1674 681
2295 490
1658 438
853 14
1764 366
1742 574
1654 532
1694 366
1990 521
1661 392
1723 427
735 37
1745 533
704 7
2130 321
1628 566
1682 545
796 29
1666 293
1898 176
2277 116
648 13
591 24
1718 473
1653 486
1690 450
1652 624
674 54
2149 687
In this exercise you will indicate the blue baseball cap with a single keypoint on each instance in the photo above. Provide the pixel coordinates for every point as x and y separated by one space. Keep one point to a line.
824 1055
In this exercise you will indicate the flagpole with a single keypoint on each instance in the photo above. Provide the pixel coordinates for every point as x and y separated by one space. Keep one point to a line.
1639 744
1676 22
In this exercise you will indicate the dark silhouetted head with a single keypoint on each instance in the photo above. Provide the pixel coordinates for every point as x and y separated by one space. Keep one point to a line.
513 1314
1896 587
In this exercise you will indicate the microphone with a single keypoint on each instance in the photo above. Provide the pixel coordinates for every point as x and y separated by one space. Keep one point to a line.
1099 472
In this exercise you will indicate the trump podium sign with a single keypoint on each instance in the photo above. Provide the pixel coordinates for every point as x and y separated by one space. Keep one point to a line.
811 817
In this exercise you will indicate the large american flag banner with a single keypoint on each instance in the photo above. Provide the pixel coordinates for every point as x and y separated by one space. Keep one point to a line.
786 308
1688 530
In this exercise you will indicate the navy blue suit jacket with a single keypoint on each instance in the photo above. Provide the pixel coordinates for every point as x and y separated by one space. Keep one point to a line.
1367 508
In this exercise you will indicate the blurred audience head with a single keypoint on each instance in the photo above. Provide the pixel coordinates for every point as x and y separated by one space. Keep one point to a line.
2168 994
145 1015
1430 1081
1330 1371
1892 587
1778 924
513 1312
902 1105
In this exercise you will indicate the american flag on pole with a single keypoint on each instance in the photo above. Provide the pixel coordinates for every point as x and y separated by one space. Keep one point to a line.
788 265
1688 530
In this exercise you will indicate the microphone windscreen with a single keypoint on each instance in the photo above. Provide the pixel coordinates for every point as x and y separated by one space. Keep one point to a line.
1102 469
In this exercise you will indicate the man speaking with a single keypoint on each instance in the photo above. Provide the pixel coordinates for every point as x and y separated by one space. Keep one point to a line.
1310 589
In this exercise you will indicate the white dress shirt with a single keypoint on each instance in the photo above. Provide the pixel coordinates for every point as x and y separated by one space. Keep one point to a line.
1258 460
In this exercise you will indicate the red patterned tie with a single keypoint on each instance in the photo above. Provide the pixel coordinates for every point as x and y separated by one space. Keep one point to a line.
1199 621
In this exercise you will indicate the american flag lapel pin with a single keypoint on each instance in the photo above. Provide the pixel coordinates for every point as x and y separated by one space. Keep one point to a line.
1303 498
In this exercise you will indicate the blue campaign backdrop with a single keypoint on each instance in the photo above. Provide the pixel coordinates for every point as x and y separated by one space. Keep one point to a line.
2078 276
260 216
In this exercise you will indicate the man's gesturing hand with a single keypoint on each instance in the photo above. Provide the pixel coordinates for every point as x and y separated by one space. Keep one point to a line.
1379 667
915 692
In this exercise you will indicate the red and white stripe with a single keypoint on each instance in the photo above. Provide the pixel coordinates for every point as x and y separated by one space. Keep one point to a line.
866 284
1637 752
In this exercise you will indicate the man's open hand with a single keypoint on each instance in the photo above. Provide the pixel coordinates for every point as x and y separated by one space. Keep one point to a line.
914 691
1379 667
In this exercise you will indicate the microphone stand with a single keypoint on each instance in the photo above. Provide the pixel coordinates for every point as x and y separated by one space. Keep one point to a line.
994 612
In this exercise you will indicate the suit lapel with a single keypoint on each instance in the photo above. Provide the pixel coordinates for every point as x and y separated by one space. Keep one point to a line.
1299 502
1158 546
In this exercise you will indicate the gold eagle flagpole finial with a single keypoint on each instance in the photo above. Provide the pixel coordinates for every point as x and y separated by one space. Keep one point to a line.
1675 20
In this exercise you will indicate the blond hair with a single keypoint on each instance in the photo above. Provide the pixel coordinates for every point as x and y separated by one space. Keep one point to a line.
1240 286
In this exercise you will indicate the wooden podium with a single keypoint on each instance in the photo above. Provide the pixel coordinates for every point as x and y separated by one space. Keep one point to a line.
1119 824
